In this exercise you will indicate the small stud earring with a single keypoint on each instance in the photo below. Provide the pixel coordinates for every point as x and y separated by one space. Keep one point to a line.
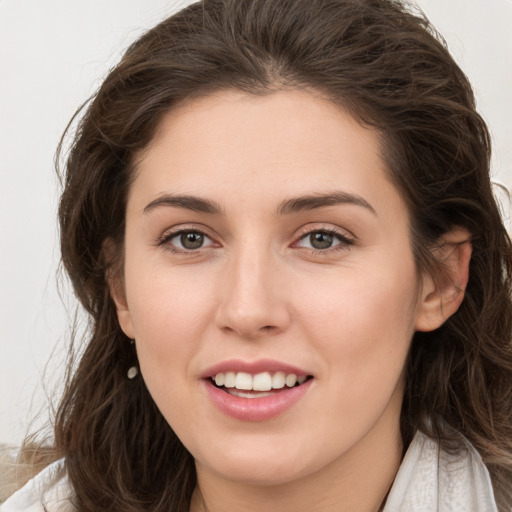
132 372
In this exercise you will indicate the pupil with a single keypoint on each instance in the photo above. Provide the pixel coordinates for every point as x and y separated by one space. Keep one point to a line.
191 240
321 240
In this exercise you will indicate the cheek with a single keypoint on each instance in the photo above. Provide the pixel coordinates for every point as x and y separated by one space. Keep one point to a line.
170 311
362 331
170 318
362 320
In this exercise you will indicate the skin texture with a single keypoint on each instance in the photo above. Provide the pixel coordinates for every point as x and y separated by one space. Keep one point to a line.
257 289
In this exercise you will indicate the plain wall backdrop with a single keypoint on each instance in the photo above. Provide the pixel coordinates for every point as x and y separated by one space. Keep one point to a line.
53 56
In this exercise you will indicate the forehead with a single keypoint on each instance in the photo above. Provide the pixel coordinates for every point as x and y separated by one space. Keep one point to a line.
287 142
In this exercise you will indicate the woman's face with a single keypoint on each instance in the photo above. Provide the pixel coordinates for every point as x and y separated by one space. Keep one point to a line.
264 240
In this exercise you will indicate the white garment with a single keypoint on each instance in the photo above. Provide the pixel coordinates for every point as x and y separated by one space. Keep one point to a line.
49 491
432 480
429 480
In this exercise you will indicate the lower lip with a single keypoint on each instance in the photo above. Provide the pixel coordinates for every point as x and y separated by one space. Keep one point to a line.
255 409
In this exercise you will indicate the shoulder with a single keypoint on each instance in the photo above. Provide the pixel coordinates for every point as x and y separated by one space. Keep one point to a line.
432 479
49 491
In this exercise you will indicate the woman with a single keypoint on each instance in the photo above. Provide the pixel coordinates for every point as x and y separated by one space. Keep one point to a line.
278 214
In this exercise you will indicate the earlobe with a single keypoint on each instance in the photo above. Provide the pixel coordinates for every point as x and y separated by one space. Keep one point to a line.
442 296
116 289
123 313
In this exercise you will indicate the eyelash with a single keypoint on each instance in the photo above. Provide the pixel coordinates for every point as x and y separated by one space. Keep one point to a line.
344 241
165 241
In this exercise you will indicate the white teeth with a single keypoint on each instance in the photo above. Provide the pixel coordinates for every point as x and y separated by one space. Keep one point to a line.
229 379
291 380
264 381
278 380
243 381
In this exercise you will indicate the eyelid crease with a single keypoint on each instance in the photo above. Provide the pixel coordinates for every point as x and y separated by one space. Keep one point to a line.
184 227
333 230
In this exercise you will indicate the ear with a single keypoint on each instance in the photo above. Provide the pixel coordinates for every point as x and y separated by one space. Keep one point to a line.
442 296
115 281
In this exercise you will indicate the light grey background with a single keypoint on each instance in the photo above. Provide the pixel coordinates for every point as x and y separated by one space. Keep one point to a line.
53 55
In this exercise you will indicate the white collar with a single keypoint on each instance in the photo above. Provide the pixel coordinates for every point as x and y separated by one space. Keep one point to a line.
48 491
433 480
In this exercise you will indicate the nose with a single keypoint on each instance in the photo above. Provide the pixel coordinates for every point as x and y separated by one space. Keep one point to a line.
253 297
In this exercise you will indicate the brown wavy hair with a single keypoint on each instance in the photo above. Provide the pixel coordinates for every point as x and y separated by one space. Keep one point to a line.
384 63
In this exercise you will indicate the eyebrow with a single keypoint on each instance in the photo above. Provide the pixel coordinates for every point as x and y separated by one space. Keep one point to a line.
311 202
288 207
193 203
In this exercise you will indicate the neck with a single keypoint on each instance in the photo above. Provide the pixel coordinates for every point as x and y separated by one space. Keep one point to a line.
358 481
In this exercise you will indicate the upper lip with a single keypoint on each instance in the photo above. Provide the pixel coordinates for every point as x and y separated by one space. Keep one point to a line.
253 367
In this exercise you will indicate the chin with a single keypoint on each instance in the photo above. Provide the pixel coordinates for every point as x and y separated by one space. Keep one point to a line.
264 465
261 473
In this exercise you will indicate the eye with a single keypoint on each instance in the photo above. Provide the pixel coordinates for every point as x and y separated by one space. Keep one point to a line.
187 240
322 240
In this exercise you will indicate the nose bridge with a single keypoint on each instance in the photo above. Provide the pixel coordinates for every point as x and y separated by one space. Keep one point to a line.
252 304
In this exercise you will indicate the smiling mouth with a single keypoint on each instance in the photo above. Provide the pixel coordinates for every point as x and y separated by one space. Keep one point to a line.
260 385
